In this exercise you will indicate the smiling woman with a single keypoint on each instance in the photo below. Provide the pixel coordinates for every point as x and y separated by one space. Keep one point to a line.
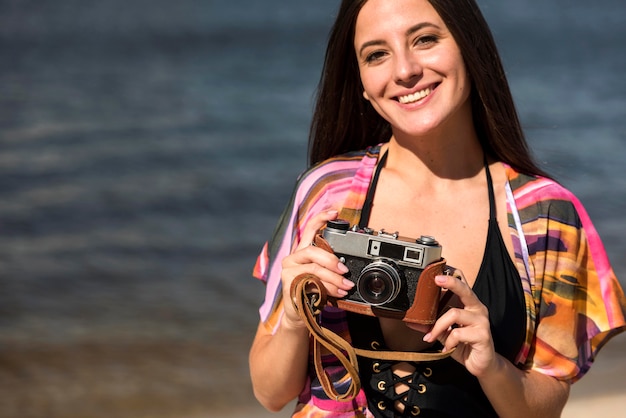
417 65
414 115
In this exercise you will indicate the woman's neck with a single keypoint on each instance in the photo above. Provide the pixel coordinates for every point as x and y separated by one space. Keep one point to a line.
454 157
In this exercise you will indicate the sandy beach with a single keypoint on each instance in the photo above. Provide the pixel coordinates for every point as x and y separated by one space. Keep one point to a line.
602 392
165 379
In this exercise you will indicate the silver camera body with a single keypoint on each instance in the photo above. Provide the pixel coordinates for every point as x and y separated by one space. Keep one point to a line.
384 267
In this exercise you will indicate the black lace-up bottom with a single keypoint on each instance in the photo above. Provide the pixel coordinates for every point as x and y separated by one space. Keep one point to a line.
393 395
439 389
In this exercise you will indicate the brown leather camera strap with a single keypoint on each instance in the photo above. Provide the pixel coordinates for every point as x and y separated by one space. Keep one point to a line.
309 297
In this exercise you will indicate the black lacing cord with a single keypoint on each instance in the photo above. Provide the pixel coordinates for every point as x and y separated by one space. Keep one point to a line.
408 380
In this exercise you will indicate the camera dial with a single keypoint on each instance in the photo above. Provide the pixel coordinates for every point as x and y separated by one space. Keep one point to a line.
338 224
427 240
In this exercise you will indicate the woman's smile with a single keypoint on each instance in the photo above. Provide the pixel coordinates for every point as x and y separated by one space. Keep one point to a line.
417 96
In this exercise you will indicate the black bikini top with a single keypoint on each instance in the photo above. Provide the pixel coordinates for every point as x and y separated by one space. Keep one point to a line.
498 284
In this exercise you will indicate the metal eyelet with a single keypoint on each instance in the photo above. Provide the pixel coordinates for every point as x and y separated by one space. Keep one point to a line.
376 367
381 406
415 411
375 345
421 388
428 372
382 386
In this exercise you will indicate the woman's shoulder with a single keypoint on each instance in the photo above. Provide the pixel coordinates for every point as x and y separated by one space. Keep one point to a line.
538 197
340 166
537 187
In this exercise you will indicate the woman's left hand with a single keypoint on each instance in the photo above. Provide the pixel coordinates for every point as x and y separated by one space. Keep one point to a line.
467 329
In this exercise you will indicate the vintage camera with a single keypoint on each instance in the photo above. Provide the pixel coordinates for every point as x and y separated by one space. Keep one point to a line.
385 267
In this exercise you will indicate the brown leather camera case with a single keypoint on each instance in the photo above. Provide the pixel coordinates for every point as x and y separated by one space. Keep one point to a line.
425 307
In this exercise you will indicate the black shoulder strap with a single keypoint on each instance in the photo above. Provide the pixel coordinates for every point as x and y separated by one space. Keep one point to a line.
369 198
492 198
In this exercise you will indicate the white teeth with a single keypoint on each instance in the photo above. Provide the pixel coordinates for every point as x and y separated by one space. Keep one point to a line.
415 96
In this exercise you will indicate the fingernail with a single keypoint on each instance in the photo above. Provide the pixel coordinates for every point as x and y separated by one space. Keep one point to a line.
427 337
348 283
441 279
332 213
342 292
342 268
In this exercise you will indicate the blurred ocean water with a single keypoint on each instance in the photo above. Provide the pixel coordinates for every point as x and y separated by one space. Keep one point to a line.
148 147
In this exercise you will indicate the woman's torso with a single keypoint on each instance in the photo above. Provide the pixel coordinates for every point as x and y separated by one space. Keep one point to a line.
469 228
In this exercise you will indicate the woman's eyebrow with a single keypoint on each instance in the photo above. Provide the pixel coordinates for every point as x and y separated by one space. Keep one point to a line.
420 26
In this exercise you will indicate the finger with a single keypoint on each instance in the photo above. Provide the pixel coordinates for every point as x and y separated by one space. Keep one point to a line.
317 256
321 263
443 325
314 225
336 285
459 286
457 318
474 336
452 272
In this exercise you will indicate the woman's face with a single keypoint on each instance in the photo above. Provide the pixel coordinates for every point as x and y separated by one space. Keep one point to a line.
411 67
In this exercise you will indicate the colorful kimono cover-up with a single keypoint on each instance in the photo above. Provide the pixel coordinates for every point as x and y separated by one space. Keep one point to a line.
574 303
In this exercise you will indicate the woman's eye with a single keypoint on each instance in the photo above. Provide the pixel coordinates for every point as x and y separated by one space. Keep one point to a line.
426 40
374 56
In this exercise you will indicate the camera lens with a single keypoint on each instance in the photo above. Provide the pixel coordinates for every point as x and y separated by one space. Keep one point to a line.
379 282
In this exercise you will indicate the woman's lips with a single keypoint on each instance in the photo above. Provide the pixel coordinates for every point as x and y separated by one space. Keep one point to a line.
417 96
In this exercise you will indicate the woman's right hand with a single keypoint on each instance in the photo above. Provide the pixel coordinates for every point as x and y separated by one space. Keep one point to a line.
279 358
307 258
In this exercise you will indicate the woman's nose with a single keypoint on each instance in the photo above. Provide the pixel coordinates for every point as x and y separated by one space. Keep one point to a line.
407 66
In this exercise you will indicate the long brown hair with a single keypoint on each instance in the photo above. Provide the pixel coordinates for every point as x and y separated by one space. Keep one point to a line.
343 121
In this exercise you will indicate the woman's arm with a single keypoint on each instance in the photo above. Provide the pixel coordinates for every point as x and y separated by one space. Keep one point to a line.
523 393
279 361
278 364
